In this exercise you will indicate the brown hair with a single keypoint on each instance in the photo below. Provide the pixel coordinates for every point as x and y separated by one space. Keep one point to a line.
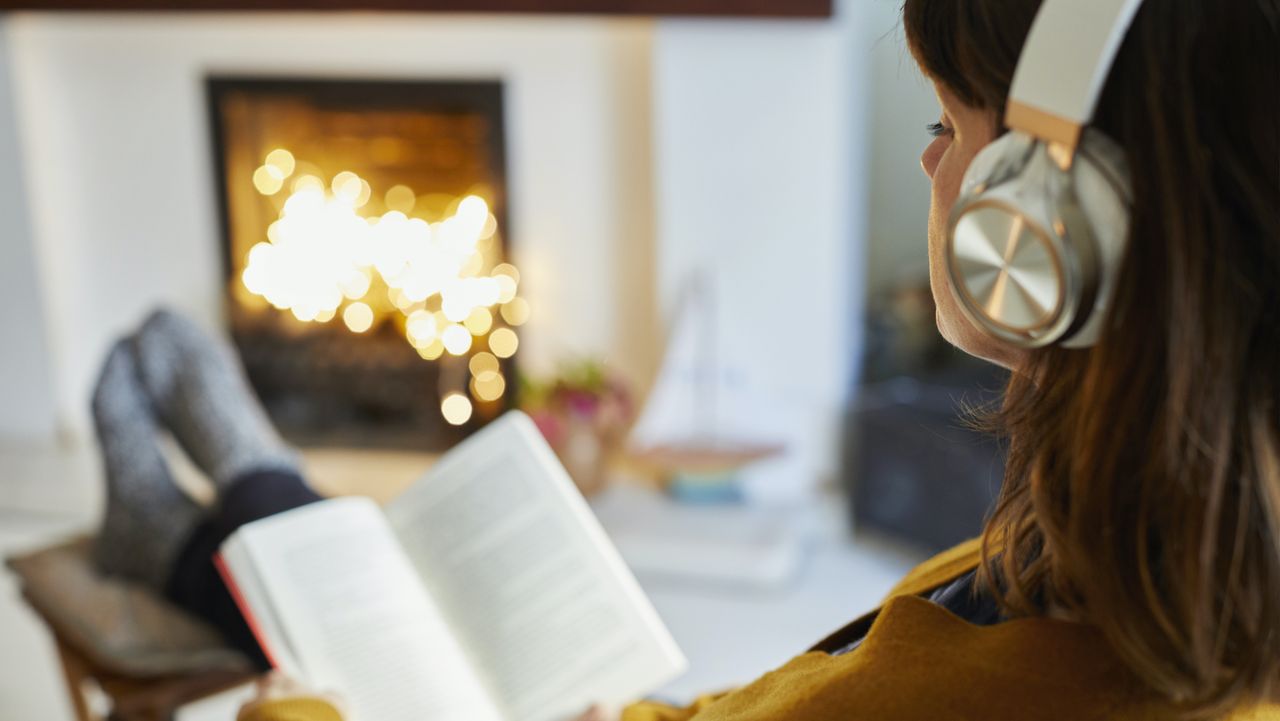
1142 490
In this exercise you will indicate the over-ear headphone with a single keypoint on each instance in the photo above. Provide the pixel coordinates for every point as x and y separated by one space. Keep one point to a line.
1039 230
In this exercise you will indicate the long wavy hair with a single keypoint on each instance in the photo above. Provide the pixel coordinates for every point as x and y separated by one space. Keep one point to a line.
1142 490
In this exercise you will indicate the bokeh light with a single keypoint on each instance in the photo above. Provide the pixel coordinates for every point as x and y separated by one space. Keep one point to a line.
282 160
503 342
456 339
421 329
401 198
515 311
429 262
456 409
358 317
346 185
268 179
433 351
506 288
483 362
307 182
508 270
488 386
479 321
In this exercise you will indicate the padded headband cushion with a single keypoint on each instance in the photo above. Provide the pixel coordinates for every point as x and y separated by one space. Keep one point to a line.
1102 185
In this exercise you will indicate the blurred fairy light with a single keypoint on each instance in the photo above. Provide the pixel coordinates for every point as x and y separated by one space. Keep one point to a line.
401 198
483 362
433 351
268 180
329 254
503 342
358 317
456 339
479 321
489 387
515 311
311 255
421 329
282 160
456 408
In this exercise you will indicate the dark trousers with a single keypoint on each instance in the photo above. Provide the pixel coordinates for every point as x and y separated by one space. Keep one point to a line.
194 582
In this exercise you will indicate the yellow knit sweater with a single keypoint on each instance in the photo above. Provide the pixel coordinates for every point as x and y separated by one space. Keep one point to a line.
920 662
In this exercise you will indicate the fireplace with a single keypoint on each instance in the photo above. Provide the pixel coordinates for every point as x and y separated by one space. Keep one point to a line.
366 254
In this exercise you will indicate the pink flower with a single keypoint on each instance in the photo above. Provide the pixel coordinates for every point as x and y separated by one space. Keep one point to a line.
551 427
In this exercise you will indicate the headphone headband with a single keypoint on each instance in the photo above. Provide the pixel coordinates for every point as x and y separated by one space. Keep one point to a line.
1064 65
1041 226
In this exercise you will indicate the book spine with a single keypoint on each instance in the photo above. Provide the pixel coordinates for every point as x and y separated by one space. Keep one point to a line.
229 581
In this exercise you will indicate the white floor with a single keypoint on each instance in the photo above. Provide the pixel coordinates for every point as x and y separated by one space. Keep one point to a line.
729 634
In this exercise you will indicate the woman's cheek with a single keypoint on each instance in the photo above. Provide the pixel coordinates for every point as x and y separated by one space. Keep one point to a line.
947 180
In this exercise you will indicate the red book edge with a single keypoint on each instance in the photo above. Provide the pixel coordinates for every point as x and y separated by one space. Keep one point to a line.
229 581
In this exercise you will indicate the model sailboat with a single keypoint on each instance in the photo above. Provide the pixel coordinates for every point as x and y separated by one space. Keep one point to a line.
685 434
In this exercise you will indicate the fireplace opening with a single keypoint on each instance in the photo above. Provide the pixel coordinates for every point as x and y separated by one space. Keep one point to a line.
366 251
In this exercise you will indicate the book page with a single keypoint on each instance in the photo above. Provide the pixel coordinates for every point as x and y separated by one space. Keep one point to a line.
357 617
256 606
533 588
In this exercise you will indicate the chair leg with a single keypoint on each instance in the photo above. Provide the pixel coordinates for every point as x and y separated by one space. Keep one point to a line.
74 673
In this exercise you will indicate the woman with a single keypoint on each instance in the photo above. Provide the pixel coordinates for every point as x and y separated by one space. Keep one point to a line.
1133 559
1131 569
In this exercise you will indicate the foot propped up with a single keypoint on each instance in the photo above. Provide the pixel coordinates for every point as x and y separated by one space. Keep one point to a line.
148 517
201 392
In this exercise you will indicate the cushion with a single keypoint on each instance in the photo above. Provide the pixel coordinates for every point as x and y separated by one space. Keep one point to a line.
119 626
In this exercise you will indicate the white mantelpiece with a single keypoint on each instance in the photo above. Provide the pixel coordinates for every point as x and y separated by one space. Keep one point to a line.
114 126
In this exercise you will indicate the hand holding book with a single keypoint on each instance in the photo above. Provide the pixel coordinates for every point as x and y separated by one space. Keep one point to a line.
278 694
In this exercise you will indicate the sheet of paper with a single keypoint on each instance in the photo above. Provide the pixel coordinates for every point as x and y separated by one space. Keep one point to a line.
533 588
358 617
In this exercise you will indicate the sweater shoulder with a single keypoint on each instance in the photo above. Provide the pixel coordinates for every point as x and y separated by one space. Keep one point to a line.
942 568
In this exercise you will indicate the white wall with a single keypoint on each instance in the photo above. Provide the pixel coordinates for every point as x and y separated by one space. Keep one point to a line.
115 142
26 383
760 143
902 103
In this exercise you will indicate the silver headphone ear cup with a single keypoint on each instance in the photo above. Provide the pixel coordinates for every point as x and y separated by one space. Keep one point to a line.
1003 256
1032 250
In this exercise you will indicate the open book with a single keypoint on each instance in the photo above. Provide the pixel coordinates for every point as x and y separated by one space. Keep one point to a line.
485 592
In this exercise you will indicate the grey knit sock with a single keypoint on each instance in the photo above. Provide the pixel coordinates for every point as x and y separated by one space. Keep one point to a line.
148 518
200 390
